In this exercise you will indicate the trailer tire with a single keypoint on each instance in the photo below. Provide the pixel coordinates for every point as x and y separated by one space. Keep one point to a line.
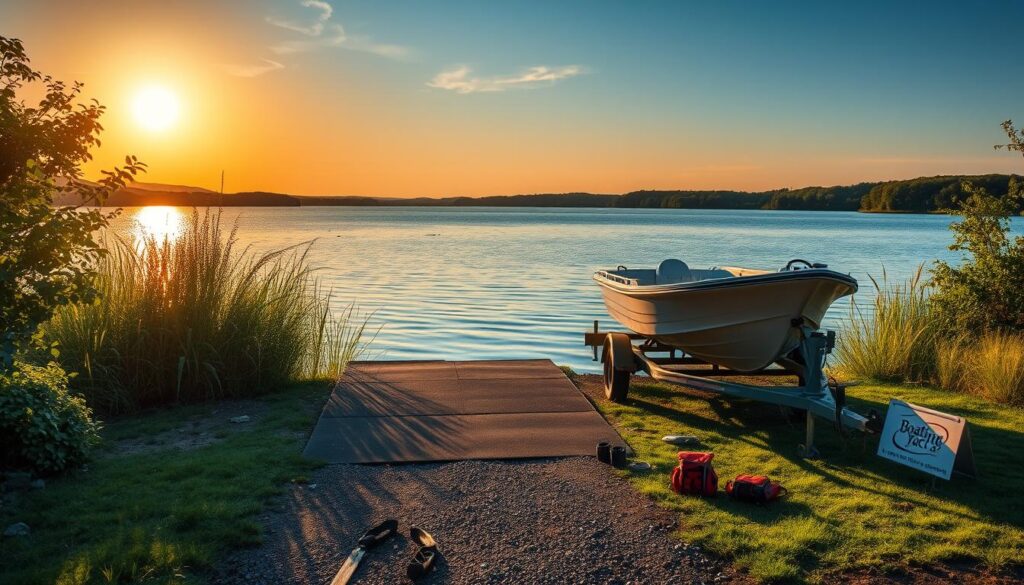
619 365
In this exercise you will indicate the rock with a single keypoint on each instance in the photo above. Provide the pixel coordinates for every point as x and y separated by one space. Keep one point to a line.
17 529
680 439
38 484
17 480
240 419
639 466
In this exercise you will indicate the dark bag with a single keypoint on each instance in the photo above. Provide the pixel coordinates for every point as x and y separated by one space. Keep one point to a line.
754 488
695 475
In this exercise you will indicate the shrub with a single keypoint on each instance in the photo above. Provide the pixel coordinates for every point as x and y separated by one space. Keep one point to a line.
985 292
195 319
43 428
47 250
997 368
895 341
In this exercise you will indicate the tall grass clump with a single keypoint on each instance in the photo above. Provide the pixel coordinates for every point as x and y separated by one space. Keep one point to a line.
195 318
895 341
954 363
996 371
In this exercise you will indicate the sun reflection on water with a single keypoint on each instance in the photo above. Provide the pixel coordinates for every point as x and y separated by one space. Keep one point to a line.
159 222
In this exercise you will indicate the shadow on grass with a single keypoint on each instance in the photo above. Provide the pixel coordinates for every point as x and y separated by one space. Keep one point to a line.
735 419
850 510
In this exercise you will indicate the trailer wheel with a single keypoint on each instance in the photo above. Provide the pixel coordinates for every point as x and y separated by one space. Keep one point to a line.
617 370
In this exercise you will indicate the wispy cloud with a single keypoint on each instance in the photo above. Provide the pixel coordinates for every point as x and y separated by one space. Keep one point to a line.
321 32
460 81
316 27
253 70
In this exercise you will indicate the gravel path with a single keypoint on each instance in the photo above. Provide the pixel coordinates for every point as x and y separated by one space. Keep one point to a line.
568 520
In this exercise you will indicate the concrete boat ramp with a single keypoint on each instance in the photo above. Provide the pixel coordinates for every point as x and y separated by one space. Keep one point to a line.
403 412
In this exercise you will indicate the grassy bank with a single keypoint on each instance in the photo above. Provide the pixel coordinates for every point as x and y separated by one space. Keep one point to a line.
850 512
168 494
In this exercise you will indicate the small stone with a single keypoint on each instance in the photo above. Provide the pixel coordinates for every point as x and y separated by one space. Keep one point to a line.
38 484
17 480
17 529
483 565
240 419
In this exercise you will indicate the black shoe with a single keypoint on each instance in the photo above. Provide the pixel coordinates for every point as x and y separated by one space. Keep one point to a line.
423 562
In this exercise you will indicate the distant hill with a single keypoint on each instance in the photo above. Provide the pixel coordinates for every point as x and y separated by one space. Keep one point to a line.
921 195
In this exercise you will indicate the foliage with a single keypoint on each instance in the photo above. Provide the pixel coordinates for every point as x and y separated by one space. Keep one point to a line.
847 516
985 292
693 199
46 253
195 319
149 511
43 428
842 198
895 339
929 194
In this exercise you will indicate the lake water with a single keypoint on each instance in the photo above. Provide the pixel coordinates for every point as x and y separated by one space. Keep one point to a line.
486 283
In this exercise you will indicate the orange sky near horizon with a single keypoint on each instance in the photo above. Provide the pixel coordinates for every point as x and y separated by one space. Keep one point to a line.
352 122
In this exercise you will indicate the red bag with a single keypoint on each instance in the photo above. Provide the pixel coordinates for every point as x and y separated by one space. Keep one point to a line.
695 475
754 488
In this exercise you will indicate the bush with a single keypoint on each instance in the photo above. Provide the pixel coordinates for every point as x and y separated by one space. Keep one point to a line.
43 428
997 369
194 319
47 251
895 341
985 292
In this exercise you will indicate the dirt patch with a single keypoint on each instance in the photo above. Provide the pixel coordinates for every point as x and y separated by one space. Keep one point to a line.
197 430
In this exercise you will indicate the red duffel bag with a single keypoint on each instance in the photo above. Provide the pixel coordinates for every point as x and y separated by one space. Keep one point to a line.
694 475
754 488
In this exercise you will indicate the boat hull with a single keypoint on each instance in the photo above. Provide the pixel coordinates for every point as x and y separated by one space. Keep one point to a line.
743 323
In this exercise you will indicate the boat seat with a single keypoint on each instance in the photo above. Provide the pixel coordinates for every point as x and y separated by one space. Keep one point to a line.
671 271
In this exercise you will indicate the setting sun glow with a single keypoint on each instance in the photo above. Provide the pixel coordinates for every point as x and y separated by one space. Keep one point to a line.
159 223
155 108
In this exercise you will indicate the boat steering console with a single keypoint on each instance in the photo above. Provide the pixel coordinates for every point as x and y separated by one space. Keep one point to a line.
800 264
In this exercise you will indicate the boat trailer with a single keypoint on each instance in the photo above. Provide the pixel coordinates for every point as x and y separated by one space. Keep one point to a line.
814 394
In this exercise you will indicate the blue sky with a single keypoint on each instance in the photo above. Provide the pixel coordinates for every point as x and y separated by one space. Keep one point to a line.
484 97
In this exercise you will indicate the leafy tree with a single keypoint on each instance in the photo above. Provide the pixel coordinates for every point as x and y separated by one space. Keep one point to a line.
986 291
47 252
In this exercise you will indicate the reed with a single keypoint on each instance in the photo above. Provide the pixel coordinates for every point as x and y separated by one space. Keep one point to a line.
997 369
895 340
953 363
197 319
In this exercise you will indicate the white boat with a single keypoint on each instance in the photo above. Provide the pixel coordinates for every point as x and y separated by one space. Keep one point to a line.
740 318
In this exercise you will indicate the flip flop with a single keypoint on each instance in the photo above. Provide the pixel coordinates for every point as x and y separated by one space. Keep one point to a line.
423 562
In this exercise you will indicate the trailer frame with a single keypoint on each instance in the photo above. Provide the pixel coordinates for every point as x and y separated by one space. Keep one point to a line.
815 393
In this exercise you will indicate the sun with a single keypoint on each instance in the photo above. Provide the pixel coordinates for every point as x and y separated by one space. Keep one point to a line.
155 108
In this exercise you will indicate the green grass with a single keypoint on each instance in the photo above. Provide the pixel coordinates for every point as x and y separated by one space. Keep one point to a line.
849 511
166 515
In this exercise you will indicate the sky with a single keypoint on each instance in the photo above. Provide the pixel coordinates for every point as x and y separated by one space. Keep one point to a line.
417 98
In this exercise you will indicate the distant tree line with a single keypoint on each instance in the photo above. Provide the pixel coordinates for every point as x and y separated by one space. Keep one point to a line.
921 195
928 194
